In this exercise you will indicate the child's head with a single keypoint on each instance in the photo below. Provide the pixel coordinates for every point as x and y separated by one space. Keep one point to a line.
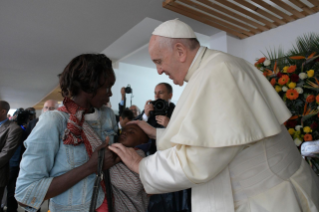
126 116
132 135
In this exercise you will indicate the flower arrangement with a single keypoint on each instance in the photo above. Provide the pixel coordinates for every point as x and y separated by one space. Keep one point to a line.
295 77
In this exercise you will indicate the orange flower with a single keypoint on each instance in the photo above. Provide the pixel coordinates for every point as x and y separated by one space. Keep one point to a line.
310 98
297 57
292 94
273 81
292 69
308 137
317 100
261 60
265 73
283 80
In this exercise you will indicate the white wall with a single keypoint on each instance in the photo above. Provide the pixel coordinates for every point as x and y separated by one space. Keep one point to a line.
218 42
143 81
284 36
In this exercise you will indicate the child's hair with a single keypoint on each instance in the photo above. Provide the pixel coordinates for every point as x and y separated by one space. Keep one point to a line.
127 113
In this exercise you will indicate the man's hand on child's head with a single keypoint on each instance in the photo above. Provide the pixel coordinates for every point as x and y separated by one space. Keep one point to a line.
148 129
128 156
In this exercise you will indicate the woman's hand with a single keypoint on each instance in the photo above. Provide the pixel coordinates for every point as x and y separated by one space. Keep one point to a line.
65 181
128 156
148 129
110 158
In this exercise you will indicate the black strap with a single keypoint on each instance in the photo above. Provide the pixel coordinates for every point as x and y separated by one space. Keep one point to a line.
99 177
109 192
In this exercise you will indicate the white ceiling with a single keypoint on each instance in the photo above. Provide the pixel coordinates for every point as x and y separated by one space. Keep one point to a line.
38 38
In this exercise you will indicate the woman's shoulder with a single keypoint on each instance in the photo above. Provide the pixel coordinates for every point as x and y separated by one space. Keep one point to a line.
54 116
53 119
106 110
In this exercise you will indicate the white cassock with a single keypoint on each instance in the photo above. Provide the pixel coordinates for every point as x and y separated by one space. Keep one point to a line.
226 140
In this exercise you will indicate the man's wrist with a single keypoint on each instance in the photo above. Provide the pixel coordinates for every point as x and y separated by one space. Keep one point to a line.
137 166
145 117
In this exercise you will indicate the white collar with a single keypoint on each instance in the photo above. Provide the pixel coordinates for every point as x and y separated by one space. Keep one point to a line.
92 116
192 66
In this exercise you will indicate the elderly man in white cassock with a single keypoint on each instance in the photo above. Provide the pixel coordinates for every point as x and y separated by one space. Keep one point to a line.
226 139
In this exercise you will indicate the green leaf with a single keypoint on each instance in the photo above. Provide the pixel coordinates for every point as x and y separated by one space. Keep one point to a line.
304 118
312 88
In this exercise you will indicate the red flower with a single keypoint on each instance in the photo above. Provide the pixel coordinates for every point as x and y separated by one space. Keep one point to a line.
294 78
317 100
310 98
292 69
314 125
283 80
308 137
261 60
291 123
279 75
273 81
292 94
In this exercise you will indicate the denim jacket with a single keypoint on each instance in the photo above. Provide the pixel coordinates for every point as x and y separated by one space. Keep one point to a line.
47 157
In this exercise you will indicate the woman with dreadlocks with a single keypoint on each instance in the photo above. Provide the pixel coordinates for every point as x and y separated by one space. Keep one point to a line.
61 156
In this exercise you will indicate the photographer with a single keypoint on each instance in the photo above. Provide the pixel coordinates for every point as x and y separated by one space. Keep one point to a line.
163 91
175 201
136 111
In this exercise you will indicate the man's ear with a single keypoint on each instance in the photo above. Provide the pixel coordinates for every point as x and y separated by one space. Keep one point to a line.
170 95
181 52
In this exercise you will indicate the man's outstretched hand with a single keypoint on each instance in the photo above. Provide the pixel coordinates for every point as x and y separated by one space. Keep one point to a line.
128 156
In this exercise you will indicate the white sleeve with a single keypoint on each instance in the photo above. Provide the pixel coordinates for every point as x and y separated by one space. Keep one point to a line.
145 117
180 167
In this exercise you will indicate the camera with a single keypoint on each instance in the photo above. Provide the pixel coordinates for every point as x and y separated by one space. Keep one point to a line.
160 107
128 89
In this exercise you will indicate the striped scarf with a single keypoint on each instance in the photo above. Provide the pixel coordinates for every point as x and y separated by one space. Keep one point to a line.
78 131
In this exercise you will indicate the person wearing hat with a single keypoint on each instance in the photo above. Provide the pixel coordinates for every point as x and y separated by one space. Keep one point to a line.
226 138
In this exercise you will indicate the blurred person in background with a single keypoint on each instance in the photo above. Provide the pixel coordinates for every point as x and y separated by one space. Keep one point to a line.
48 106
23 117
136 111
122 105
32 112
10 137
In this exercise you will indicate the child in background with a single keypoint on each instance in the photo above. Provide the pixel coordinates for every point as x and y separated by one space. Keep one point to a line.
128 191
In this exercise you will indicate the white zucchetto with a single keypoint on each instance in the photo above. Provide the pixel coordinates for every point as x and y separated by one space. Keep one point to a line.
174 29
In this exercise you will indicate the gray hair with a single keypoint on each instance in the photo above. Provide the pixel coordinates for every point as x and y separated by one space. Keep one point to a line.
190 43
